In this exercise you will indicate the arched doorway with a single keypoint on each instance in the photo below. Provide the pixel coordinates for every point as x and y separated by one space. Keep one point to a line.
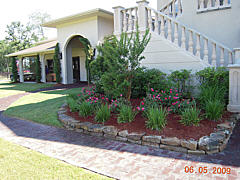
75 61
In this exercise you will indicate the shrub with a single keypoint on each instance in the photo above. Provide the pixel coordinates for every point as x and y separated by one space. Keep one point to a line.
211 93
38 70
103 113
14 70
182 81
72 103
190 116
57 64
156 118
144 79
126 114
214 109
85 109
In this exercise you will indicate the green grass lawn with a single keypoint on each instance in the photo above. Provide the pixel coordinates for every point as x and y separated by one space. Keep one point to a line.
40 107
8 89
17 162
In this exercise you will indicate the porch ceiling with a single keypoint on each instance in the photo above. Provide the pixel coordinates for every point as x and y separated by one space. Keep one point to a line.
46 47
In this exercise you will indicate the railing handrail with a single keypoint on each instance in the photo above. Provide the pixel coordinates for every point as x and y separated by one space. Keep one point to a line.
193 30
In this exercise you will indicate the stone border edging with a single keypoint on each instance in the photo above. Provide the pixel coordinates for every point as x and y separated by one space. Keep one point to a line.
216 142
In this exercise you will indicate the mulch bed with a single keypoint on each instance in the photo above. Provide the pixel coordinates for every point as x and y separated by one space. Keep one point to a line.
172 129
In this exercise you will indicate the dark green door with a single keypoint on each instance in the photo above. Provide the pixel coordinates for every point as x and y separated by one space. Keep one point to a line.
76 69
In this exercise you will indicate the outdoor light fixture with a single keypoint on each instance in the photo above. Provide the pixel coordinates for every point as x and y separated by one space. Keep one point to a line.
59 55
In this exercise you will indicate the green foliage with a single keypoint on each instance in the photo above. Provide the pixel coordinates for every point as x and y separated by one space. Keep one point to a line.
57 64
89 52
118 60
38 70
182 81
85 109
14 69
72 103
126 114
214 109
144 79
211 93
103 113
190 116
156 118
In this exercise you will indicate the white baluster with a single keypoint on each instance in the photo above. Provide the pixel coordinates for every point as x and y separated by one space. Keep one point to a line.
217 3
225 2
230 57
156 23
179 7
198 47
190 47
125 21
209 3
150 19
162 27
173 8
221 56
214 56
176 33
183 44
201 4
130 23
169 35
136 19
205 52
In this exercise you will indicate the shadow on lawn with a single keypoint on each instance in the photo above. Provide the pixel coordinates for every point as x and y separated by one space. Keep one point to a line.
230 156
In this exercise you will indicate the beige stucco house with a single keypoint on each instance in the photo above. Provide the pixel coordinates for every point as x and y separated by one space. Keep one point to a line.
186 34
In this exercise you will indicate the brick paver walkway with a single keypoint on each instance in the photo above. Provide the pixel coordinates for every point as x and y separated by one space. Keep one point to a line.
117 159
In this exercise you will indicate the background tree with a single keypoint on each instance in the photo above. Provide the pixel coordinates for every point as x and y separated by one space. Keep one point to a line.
38 70
57 64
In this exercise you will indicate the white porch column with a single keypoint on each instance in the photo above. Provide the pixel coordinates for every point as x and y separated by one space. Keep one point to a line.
142 15
118 19
43 70
234 84
64 67
21 69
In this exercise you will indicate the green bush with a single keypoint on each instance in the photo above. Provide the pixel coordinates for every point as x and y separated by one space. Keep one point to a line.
103 113
190 116
209 94
85 109
214 109
14 70
57 64
182 81
72 103
38 70
144 79
156 118
126 114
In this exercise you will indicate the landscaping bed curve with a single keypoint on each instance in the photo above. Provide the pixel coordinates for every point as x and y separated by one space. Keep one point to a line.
215 142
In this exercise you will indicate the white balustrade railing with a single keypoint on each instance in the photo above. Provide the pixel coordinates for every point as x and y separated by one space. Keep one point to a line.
169 28
213 4
173 8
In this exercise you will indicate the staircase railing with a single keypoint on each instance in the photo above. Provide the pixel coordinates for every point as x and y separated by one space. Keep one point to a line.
173 8
169 28
204 5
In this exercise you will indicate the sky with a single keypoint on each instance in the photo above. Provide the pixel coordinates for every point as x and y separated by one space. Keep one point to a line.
19 10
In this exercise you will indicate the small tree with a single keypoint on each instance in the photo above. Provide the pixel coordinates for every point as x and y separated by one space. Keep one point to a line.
57 64
14 70
38 70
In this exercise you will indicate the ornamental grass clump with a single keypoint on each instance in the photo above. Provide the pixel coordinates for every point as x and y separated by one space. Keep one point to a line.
214 109
73 105
103 113
156 118
126 114
190 116
85 109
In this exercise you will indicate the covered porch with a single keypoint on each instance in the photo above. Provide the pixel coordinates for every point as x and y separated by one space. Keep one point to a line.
45 50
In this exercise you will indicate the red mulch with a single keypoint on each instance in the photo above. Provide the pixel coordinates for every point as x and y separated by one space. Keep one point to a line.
172 129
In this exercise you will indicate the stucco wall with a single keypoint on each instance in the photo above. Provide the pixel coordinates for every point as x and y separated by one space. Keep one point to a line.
161 3
105 27
221 25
